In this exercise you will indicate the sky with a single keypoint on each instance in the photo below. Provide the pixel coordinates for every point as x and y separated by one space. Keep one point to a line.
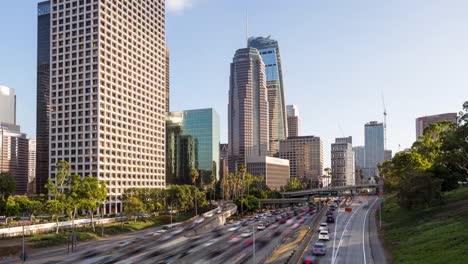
339 59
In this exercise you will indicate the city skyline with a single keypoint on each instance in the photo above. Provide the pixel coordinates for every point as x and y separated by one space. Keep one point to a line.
365 87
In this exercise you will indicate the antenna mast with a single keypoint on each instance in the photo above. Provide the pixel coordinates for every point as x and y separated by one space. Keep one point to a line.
385 121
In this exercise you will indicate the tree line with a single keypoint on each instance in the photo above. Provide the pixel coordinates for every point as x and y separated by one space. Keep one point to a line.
436 163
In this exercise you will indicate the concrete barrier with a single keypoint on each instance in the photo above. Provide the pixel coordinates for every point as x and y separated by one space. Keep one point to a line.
50 227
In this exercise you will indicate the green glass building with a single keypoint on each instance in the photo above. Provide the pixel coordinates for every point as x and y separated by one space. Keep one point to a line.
192 141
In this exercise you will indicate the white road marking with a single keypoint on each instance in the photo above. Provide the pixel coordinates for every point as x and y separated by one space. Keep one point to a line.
341 238
364 232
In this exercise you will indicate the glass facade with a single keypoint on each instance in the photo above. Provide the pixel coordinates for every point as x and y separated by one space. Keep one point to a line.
373 148
269 51
43 94
203 126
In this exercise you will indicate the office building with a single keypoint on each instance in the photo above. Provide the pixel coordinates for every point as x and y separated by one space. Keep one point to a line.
342 162
192 142
32 166
270 53
294 121
274 170
358 163
7 105
248 123
108 92
14 155
42 96
373 148
223 160
167 79
305 155
203 125
425 121
388 154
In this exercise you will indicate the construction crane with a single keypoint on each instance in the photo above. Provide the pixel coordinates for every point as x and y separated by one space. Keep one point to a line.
385 121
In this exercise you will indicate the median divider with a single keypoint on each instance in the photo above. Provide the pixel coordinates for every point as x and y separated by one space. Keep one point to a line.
302 248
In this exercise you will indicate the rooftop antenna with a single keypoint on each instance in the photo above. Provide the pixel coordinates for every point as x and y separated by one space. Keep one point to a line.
385 120
247 27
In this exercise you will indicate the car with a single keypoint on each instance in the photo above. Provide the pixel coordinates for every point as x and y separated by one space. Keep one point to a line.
310 259
319 249
323 235
261 227
122 244
323 226
159 232
199 220
208 214
277 233
234 239
234 228
245 223
246 234
282 221
329 213
177 231
218 211
330 219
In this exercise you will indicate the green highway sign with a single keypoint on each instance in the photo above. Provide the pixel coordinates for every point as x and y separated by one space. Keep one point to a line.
382 200
327 193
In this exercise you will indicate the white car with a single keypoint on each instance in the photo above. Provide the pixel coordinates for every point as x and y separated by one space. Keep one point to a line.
159 232
323 226
234 228
246 234
323 235
199 220
261 227
208 214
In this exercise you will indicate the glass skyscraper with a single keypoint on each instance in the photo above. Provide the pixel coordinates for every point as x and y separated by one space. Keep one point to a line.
203 126
43 95
269 51
373 148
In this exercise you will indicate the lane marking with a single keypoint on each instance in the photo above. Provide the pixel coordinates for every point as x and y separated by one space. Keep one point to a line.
342 234
364 231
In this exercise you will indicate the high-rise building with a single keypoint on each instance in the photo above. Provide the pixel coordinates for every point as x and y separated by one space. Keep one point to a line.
223 160
388 154
248 123
425 121
203 125
373 148
42 95
269 50
7 105
305 155
14 155
192 142
274 170
294 121
358 163
32 167
342 162
108 92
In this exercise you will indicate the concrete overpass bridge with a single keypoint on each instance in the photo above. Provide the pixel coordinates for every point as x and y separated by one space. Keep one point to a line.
338 190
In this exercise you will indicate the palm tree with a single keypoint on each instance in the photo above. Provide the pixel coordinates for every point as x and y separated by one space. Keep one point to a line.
194 174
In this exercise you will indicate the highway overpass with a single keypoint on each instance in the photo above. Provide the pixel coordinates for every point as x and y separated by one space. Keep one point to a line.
340 189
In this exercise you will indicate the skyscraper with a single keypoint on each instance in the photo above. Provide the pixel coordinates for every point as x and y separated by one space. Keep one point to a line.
223 160
107 92
373 148
167 79
14 155
203 126
425 121
293 120
388 154
32 166
248 123
342 162
42 95
7 105
269 50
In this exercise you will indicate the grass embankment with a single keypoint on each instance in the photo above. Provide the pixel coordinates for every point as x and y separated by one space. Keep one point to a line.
86 233
435 235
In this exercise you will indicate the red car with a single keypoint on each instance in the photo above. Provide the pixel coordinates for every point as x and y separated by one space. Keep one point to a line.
282 221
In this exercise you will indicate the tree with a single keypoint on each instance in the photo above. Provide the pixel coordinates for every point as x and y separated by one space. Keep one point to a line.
429 144
53 208
133 206
294 185
7 185
92 193
421 190
195 175
27 206
11 207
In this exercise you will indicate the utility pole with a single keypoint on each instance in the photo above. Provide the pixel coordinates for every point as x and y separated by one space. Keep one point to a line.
23 255
253 242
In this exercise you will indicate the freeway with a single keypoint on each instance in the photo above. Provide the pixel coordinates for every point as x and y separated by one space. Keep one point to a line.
349 236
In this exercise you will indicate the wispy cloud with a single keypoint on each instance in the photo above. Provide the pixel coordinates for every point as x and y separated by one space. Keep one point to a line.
178 6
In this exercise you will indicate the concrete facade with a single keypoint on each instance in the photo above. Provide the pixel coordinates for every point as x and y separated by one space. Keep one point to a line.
275 170
294 120
14 155
342 162
425 121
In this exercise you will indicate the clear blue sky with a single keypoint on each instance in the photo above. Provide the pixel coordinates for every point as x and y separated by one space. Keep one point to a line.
338 58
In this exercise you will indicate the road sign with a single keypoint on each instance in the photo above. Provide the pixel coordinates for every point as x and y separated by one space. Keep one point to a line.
382 200
327 193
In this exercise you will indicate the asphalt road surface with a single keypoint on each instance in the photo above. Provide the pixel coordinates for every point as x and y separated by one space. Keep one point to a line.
349 235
